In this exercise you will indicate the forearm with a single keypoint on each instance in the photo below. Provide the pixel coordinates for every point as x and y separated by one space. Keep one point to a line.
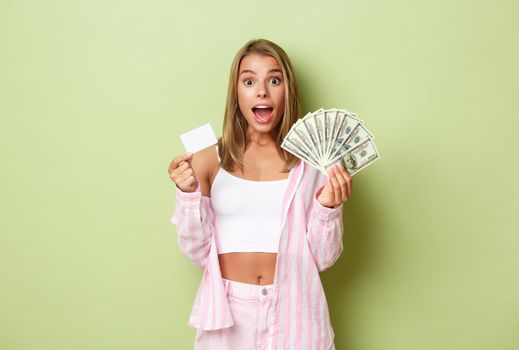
194 220
324 233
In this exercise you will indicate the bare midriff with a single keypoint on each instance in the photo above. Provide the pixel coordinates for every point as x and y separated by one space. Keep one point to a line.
248 267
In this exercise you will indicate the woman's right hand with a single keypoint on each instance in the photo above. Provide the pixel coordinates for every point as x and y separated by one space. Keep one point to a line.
182 174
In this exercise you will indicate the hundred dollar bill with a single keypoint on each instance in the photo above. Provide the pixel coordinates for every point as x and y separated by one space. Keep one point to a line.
302 143
299 151
330 121
327 136
357 136
306 130
320 122
339 146
300 131
337 120
358 157
314 123
351 114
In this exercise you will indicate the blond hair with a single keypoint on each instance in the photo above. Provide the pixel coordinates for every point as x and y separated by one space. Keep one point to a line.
234 139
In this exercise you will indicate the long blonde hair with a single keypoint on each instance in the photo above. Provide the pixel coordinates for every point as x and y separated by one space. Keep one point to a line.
234 139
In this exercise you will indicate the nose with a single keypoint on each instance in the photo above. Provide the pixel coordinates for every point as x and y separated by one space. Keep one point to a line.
262 91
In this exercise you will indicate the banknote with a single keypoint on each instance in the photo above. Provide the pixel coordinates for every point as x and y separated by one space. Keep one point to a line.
358 157
331 121
319 121
358 135
314 126
301 134
299 147
328 136
339 143
299 151
307 130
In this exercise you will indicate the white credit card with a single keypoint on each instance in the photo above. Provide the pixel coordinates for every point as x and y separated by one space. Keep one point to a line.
199 138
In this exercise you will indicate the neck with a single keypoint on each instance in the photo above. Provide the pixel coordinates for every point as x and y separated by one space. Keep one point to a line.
261 139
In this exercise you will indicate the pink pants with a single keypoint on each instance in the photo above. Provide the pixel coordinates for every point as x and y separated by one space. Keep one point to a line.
253 313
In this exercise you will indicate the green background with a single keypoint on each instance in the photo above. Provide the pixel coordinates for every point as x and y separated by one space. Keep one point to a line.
94 95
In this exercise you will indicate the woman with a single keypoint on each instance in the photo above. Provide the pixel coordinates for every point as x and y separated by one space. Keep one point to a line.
259 221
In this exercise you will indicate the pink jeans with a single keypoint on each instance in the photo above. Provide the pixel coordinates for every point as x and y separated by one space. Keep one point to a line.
253 313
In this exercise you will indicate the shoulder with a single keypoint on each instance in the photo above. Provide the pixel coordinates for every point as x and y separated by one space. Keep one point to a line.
204 164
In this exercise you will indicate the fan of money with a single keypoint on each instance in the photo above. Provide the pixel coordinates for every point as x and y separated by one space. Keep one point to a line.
328 136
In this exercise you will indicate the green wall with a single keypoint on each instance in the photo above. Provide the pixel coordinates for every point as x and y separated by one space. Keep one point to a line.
94 95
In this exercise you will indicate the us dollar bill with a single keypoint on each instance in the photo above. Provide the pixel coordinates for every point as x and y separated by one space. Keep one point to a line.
316 125
358 157
339 145
356 137
300 146
308 130
331 124
351 114
327 136
300 134
299 150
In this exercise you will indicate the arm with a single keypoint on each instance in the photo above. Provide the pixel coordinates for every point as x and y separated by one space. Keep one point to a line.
324 233
194 219
193 214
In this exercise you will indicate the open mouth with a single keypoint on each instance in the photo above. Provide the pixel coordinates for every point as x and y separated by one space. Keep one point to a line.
262 114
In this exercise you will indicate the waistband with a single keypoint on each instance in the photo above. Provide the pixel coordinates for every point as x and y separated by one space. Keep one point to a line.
248 291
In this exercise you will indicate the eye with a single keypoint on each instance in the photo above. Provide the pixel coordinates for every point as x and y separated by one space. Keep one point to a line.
247 82
275 81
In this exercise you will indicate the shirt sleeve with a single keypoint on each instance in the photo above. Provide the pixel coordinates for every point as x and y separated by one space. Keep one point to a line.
324 233
194 219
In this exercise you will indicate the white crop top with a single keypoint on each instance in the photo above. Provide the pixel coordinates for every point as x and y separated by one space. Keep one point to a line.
247 213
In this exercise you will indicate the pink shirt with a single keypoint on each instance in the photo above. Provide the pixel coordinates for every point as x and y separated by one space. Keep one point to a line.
310 241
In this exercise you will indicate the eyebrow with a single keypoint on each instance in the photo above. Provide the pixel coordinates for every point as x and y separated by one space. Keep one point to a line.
253 72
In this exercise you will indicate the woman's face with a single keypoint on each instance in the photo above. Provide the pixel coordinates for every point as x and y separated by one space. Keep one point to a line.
261 92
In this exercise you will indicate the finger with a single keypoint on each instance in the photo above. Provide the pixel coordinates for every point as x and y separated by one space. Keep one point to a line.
328 179
342 184
176 161
182 166
175 173
336 187
187 182
348 179
184 175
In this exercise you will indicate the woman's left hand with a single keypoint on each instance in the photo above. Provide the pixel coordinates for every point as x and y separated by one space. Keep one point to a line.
337 189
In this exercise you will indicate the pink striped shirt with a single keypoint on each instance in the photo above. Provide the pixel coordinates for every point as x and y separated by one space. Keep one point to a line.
310 241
